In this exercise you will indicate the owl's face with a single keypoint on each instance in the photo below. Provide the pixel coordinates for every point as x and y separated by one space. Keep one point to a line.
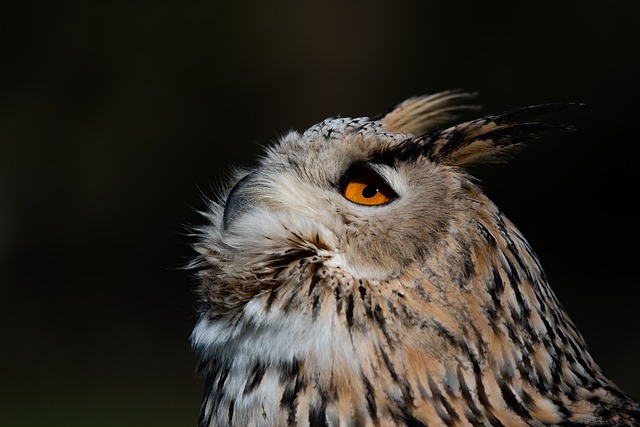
340 188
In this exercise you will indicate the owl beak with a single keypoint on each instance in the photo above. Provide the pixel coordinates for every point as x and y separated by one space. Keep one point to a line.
239 200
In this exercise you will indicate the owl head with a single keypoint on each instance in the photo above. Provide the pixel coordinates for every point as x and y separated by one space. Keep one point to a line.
370 196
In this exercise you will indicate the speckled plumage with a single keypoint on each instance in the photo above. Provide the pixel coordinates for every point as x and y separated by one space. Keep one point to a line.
430 309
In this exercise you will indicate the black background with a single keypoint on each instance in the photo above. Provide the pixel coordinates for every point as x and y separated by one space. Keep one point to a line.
116 117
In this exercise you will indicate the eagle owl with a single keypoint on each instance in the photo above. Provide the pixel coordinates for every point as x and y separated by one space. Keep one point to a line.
358 276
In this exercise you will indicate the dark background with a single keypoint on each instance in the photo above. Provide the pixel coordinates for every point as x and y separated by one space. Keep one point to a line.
115 118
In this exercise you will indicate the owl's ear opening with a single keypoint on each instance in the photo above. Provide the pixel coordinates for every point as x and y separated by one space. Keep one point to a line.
490 138
424 114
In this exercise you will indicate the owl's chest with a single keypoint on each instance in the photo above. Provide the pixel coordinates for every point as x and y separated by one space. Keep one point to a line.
325 352
291 368
282 369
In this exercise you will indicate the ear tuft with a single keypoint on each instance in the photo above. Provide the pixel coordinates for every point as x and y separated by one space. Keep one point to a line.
491 137
423 114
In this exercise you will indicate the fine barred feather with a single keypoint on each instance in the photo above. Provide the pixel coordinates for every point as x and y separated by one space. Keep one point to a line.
358 276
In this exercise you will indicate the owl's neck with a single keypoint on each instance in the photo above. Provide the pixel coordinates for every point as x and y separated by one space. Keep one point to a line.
311 352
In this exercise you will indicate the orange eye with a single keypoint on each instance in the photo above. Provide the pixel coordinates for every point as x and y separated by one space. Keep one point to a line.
367 188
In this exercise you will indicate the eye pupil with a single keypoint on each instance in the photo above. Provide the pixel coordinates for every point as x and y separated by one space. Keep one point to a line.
369 191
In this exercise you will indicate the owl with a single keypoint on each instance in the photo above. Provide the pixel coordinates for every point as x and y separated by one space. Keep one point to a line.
357 275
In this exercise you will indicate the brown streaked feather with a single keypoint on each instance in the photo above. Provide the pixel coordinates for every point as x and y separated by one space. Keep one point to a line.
429 310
